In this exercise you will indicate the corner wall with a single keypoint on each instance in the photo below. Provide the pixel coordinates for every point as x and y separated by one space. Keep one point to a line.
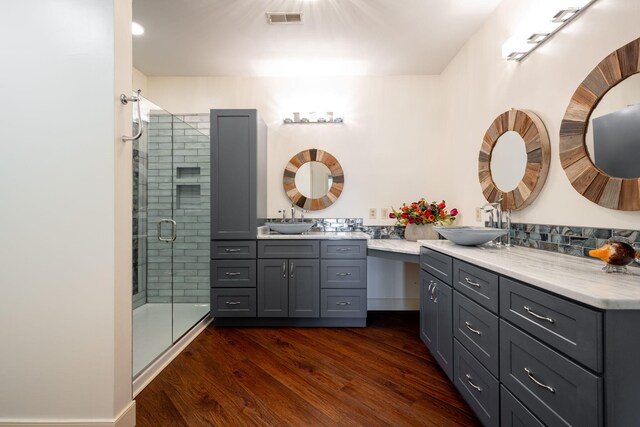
478 85
65 181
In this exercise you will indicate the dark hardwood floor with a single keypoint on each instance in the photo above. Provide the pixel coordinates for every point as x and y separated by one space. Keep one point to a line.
374 376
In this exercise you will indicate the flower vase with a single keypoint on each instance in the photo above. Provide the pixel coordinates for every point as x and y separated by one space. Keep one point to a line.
414 232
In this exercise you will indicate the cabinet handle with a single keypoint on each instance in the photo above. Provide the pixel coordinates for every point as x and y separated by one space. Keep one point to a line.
343 249
343 274
343 303
231 250
469 378
284 269
551 389
472 283
232 273
538 316
232 302
475 331
429 289
434 294
291 269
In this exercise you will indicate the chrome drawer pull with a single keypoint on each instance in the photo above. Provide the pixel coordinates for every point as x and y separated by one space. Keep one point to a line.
343 303
551 389
434 294
292 269
232 250
234 273
343 249
284 269
472 384
475 331
538 316
477 285
232 302
343 274
429 289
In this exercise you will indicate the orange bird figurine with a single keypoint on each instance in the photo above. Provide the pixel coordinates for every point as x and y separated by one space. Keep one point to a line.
617 254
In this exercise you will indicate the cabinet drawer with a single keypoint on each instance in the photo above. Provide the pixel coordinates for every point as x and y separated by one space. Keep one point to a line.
343 248
477 329
343 274
288 249
235 302
238 249
233 273
555 389
343 303
439 265
515 414
478 387
570 328
478 284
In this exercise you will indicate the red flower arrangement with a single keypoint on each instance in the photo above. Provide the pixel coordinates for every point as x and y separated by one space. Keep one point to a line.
422 212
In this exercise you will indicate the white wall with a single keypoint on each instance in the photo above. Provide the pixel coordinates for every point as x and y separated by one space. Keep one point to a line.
478 85
65 181
139 81
384 145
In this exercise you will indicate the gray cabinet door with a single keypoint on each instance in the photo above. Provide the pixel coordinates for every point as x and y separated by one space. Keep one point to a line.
436 320
437 264
428 319
273 288
443 302
288 248
234 172
343 274
236 273
304 288
234 302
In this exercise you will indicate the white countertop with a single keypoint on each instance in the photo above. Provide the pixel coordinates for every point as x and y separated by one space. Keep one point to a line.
580 279
317 235
395 245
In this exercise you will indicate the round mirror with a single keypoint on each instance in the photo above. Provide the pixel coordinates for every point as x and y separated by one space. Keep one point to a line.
508 161
608 188
613 132
514 159
313 179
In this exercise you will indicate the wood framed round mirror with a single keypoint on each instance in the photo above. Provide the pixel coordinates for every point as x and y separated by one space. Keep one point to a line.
585 177
313 179
523 177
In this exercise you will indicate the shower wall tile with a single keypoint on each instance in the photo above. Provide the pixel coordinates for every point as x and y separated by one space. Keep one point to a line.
181 273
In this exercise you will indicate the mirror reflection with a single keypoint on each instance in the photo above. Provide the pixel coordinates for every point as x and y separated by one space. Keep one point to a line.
313 180
508 161
613 132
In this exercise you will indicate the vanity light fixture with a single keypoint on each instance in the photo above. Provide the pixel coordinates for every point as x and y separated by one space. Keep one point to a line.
520 46
313 117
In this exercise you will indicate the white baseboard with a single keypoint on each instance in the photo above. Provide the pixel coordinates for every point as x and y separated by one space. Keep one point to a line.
393 304
127 418
146 376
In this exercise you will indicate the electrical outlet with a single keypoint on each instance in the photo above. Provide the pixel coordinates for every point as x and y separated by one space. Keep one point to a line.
373 213
384 212
478 214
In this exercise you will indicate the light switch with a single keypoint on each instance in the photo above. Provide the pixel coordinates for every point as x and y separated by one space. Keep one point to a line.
384 213
373 213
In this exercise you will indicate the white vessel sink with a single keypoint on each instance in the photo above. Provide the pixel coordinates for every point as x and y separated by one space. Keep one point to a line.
470 236
290 227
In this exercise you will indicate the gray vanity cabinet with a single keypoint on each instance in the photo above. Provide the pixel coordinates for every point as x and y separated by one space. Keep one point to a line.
288 288
436 315
238 174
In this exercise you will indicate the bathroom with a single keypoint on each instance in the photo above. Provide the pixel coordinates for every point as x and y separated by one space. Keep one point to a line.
405 135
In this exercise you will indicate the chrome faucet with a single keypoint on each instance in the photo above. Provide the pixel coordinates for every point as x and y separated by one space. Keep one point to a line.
283 212
293 212
508 214
499 209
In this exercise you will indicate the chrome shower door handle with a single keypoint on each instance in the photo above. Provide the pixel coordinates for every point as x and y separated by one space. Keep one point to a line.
174 227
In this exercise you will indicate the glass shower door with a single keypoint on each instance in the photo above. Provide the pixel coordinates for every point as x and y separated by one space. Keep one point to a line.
171 230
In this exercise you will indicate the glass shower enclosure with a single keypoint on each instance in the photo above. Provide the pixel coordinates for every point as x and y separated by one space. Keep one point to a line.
171 229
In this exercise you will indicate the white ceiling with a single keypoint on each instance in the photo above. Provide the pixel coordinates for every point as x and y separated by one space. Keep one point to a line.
338 37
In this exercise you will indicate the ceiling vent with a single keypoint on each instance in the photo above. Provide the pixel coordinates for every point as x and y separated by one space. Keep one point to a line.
284 17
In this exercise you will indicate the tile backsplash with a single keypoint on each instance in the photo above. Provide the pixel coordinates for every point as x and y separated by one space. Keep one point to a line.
567 239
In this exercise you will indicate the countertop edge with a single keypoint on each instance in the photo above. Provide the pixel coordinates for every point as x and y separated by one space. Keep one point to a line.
542 278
